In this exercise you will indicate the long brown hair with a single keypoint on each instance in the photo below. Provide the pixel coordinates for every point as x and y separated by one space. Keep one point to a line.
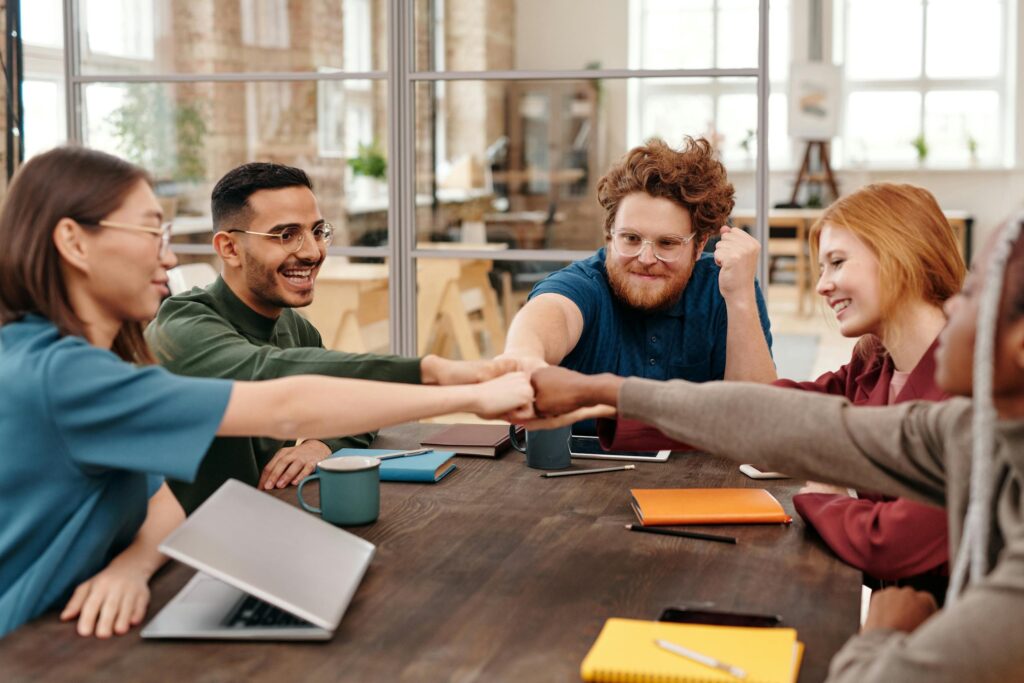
66 182
918 256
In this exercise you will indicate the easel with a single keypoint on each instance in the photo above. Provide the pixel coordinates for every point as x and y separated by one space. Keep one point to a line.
823 174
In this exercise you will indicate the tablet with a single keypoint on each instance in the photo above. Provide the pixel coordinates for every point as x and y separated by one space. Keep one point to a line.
590 447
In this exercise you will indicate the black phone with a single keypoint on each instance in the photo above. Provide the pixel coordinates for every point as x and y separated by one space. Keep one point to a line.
688 615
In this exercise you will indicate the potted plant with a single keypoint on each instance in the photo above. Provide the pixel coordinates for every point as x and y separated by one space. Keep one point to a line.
369 172
921 146
747 143
166 135
972 148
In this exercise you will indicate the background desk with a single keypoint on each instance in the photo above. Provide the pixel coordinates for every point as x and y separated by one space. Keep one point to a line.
495 574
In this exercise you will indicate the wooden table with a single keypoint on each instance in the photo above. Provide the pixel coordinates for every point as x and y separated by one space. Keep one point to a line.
797 247
449 289
347 297
350 296
495 574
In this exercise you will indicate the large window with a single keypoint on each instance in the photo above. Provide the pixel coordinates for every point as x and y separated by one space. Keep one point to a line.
703 34
928 84
43 87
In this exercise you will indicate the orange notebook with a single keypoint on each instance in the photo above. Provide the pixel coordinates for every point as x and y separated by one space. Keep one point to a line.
654 507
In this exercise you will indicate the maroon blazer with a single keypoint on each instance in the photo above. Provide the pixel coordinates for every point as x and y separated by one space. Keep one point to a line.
888 538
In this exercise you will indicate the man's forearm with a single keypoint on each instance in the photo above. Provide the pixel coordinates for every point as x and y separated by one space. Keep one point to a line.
547 328
747 357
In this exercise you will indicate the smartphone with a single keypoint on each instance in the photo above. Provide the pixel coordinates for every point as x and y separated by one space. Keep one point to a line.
590 447
686 615
755 473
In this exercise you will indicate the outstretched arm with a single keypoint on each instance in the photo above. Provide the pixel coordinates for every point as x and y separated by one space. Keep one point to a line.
316 407
888 539
544 332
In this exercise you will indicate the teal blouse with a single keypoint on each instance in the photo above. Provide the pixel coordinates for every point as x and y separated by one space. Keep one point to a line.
85 439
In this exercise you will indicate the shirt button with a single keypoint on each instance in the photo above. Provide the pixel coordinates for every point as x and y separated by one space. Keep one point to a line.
654 339
652 361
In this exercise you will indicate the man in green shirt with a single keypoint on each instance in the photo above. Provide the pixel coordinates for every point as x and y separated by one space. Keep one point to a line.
272 238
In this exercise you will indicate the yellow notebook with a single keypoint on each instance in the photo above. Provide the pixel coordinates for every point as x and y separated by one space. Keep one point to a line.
625 651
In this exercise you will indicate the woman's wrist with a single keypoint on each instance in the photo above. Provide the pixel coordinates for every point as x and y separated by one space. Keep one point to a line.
143 560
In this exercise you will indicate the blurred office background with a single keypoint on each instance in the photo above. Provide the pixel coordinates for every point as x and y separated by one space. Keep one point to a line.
457 144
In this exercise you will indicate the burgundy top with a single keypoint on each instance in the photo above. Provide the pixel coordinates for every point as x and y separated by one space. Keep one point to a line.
888 538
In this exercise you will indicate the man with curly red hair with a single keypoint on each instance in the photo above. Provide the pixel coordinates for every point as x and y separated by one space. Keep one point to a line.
650 303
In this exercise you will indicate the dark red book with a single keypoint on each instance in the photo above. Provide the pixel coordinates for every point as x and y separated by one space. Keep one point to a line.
488 441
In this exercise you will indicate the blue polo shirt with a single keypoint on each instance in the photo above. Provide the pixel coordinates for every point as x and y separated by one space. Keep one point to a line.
85 440
686 341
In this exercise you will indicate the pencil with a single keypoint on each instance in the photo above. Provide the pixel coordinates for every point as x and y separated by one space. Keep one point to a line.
592 470
404 454
683 534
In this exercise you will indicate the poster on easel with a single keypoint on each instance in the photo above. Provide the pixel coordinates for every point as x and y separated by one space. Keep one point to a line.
814 105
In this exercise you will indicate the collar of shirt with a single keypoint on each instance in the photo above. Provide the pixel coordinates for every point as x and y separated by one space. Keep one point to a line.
239 313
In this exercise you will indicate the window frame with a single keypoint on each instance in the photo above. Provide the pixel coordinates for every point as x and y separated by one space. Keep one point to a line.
923 85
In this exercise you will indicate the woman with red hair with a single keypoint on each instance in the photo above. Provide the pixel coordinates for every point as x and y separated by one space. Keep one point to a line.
889 261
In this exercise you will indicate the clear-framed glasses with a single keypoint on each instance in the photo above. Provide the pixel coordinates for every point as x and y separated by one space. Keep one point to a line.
292 237
164 232
667 248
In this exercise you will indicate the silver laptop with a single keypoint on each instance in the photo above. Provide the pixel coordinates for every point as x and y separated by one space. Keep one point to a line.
267 571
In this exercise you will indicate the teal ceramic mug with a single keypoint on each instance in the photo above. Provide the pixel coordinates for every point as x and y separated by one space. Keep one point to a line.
349 490
545 449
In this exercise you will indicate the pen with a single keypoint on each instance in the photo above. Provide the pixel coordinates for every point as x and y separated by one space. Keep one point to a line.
593 470
404 454
702 659
683 534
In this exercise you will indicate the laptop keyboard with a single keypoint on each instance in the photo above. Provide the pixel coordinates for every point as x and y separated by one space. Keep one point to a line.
254 612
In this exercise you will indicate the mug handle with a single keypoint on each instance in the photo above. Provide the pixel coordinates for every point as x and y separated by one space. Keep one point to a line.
302 502
512 431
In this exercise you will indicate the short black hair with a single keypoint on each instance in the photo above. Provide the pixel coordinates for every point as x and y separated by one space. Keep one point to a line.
230 197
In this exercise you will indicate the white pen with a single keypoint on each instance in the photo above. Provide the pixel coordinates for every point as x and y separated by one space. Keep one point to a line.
702 659
404 454
592 470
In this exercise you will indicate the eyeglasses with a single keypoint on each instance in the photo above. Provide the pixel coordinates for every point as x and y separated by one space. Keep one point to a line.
292 237
164 231
667 249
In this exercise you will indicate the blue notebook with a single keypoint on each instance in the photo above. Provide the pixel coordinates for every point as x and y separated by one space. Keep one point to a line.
426 468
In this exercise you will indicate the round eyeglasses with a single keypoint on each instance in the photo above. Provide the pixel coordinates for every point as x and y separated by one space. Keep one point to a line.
164 231
292 237
668 248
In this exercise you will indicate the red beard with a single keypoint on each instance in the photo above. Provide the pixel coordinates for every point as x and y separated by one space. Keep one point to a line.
657 295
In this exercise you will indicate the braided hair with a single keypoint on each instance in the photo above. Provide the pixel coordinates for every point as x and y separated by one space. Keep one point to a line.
971 563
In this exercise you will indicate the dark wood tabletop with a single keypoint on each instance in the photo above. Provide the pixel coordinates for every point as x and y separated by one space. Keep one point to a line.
496 574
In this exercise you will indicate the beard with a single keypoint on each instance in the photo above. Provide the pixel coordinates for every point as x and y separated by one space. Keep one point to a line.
652 297
262 281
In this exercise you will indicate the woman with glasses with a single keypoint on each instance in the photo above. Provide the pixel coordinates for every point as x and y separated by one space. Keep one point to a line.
92 426
889 261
